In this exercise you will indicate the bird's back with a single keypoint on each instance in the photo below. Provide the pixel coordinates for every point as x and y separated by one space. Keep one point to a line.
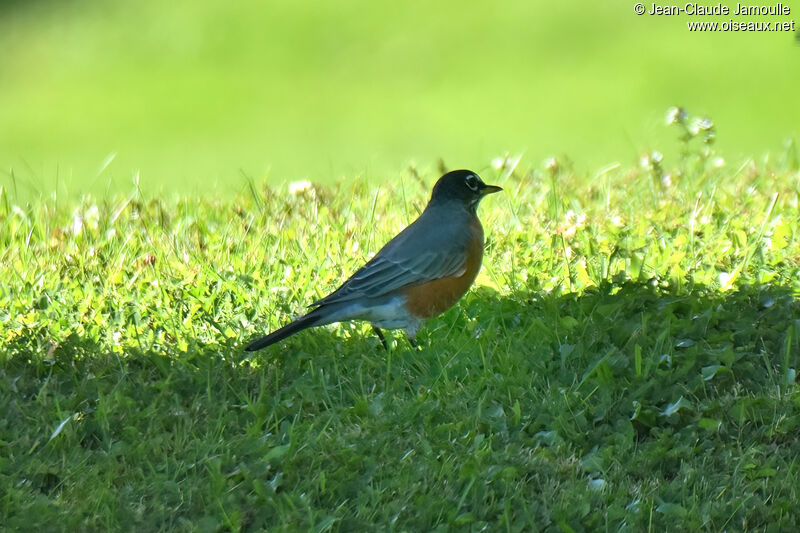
434 246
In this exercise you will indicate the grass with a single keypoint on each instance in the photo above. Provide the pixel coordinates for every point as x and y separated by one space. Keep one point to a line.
627 361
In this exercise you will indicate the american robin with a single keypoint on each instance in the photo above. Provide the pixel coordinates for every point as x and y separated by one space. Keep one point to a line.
418 274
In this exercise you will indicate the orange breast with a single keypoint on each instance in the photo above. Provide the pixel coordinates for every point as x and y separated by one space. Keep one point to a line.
437 296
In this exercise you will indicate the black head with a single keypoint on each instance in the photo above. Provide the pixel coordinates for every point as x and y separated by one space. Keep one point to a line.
463 186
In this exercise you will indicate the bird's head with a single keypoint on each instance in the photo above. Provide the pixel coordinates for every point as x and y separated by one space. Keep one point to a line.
462 186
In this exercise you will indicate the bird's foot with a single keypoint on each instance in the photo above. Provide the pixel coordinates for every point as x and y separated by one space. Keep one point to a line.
379 333
412 340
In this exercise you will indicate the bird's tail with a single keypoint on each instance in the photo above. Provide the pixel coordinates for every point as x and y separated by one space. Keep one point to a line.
291 328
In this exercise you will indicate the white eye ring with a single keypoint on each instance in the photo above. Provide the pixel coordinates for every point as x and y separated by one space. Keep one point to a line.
472 182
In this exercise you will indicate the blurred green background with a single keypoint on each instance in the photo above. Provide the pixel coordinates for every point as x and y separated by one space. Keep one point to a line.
193 95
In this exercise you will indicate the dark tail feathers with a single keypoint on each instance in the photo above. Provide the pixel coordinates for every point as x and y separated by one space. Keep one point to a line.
278 335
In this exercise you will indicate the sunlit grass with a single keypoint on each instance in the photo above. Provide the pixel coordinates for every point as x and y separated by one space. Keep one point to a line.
627 359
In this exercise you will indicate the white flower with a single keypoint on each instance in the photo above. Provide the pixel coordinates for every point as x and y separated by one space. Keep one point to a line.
299 187
676 114
706 124
572 223
701 124
91 217
77 224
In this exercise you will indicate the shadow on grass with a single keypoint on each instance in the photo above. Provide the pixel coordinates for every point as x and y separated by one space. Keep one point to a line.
95 439
650 343
660 395
667 327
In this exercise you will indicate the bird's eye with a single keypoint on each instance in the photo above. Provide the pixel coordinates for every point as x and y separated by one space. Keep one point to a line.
472 182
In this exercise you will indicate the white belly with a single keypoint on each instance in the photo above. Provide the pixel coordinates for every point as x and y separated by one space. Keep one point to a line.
389 315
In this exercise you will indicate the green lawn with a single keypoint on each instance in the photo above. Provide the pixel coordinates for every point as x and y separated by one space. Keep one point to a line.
626 361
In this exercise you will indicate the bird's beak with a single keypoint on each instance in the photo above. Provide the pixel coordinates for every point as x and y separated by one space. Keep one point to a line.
489 189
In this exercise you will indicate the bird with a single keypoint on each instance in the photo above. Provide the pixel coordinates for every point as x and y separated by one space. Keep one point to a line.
420 273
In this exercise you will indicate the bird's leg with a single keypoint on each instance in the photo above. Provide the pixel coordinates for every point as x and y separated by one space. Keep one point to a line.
411 333
379 333
412 340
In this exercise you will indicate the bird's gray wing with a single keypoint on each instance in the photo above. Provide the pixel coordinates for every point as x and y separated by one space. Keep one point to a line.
409 259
